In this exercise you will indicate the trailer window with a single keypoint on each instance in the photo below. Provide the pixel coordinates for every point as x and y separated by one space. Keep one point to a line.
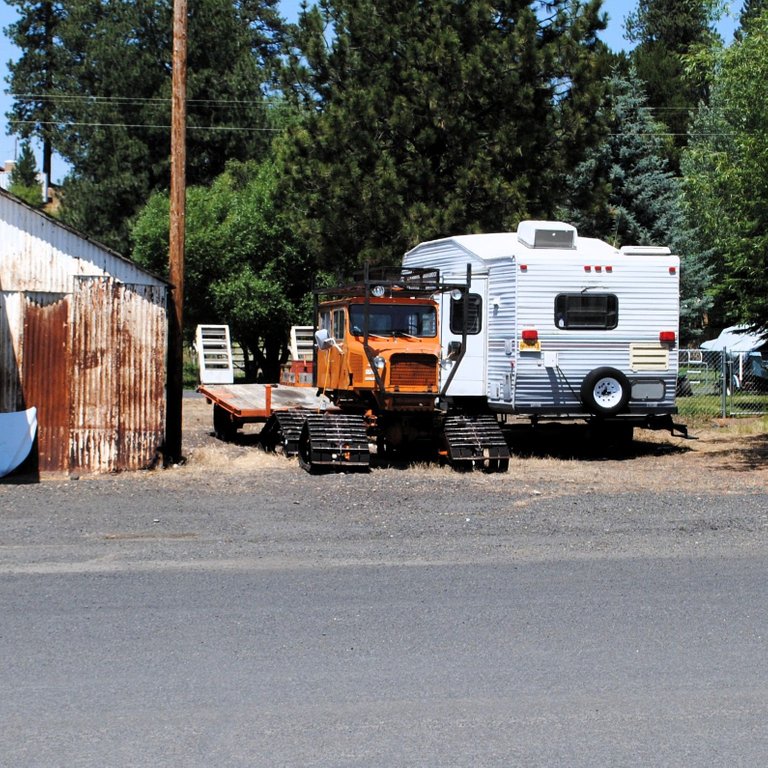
474 314
586 311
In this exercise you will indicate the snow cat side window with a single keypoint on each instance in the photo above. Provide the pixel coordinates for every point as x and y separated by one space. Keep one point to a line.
474 314
586 311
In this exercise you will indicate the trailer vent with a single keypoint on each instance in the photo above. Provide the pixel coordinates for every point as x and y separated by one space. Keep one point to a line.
413 371
214 354
648 357
546 234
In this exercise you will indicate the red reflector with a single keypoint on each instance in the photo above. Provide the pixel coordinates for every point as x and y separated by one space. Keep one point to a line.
667 337
523 267
530 336
672 270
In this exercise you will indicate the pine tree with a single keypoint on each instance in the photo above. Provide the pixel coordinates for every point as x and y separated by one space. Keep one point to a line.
425 119
112 89
33 76
665 31
24 180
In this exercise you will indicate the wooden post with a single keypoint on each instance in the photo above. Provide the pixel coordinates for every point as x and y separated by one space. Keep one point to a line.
175 393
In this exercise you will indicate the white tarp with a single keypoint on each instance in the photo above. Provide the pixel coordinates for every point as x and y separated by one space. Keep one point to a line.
17 434
736 339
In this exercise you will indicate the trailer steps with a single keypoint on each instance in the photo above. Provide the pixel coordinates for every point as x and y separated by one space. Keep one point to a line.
334 441
476 442
283 428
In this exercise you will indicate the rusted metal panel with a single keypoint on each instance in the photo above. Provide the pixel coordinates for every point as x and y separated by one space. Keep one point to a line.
141 380
45 375
119 337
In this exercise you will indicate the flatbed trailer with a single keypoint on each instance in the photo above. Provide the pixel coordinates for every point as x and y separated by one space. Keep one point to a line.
282 409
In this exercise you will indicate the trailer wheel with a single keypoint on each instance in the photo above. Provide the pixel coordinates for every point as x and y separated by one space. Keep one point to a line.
605 391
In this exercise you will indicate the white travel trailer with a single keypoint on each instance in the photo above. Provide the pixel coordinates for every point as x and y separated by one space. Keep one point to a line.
558 326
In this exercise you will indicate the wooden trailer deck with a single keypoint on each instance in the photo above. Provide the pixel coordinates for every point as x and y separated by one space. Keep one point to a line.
257 402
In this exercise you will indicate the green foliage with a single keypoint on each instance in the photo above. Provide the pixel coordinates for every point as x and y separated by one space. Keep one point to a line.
624 193
726 179
665 32
427 119
24 181
638 200
242 266
34 73
106 86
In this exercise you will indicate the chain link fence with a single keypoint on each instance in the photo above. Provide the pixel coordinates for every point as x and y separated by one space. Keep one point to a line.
721 383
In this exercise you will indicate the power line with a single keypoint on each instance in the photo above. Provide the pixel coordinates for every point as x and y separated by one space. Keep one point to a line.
74 124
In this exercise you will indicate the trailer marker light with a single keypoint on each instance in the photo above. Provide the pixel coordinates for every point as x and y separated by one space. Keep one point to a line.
587 268
523 267
673 270
529 340
667 337
609 269
598 268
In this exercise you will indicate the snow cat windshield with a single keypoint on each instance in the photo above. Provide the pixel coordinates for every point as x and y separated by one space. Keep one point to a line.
418 320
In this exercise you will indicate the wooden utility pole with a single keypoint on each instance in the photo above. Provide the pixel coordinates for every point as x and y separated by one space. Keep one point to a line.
175 393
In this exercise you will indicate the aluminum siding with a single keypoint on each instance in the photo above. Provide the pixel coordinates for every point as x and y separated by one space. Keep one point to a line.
648 294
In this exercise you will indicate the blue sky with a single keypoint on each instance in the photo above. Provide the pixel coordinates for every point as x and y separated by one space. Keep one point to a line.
617 11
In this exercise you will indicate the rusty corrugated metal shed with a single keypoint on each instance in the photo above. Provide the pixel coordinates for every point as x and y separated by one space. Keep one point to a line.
83 336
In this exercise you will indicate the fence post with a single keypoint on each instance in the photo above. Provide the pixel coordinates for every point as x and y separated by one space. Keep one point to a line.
724 382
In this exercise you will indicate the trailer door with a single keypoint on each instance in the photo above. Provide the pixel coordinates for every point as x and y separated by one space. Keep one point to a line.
468 380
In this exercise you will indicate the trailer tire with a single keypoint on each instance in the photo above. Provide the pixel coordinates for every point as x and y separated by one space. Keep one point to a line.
605 391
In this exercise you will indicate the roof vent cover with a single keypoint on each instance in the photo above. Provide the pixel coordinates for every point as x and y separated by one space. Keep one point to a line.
546 234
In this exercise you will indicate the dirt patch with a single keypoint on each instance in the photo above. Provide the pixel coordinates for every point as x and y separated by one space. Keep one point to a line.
723 456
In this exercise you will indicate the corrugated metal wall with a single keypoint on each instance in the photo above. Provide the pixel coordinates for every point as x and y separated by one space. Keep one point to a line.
93 363
83 337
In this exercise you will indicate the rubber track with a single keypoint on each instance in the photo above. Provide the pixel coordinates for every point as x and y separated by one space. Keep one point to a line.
335 441
473 439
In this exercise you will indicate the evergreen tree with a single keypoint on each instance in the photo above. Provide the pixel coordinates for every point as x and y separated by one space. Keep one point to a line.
33 76
726 180
24 179
112 100
425 119
665 31
624 192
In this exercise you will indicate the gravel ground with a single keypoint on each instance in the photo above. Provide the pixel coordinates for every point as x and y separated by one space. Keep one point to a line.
235 506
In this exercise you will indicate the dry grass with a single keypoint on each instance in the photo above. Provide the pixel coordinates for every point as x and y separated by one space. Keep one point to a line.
722 455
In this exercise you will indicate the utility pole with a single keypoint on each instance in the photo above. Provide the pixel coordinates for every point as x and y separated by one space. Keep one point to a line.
175 391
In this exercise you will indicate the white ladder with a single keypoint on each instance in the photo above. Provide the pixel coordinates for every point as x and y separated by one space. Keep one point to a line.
214 354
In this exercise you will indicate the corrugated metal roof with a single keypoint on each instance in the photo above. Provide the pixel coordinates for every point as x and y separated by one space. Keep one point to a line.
39 253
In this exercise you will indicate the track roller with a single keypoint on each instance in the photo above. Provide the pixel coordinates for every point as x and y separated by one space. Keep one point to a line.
476 442
334 442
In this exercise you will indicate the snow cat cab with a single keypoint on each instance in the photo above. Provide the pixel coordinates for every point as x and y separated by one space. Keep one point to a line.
377 359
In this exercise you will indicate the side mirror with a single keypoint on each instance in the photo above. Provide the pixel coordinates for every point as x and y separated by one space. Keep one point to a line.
323 339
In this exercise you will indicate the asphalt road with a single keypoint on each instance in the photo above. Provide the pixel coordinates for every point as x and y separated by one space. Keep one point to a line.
293 623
